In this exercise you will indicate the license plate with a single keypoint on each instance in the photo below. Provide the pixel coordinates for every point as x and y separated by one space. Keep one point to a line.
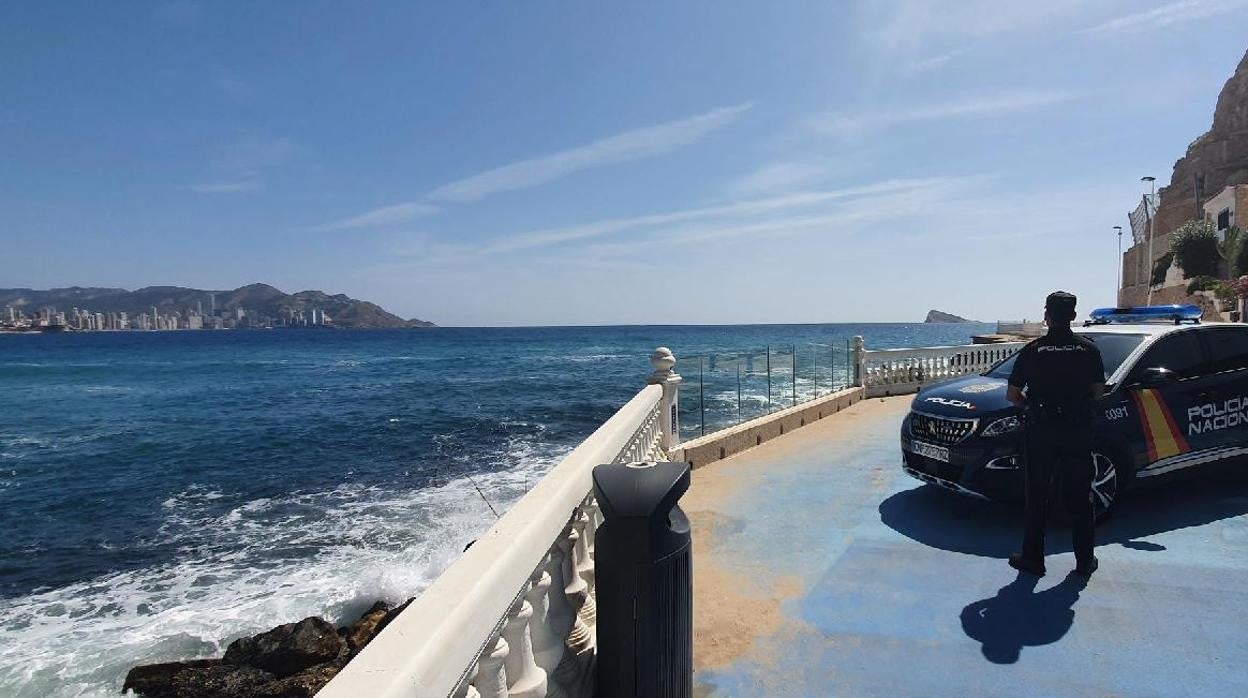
940 453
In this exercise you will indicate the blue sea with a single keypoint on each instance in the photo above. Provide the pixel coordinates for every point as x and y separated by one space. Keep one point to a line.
164 493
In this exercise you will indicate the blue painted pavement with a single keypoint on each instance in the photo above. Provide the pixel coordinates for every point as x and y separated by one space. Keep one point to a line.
904 589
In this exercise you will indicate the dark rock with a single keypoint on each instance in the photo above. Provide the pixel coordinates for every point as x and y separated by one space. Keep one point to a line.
221 681
365 629
156 680
305 683
288 649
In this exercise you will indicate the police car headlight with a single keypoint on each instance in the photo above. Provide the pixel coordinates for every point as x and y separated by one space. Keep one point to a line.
1004 425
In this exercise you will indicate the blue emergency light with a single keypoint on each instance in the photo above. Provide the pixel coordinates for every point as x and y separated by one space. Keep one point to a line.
1145 313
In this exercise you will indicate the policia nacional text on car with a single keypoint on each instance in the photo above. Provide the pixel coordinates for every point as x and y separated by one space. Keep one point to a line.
1062 375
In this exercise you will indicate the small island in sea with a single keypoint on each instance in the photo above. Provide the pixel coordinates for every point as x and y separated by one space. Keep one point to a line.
940 316
255 306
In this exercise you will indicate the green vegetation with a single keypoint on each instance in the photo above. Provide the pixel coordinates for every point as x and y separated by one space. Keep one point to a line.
1227 293
1229 246
1195 249
1202 283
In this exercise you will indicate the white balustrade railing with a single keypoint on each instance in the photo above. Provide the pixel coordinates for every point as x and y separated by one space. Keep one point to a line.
898 371
515 614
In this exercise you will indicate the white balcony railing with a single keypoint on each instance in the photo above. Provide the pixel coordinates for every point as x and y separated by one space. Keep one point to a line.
898 371
515 614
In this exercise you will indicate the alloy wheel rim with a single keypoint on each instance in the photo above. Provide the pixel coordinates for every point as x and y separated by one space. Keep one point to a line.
1104 482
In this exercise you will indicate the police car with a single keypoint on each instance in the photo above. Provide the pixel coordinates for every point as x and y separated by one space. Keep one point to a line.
1176 397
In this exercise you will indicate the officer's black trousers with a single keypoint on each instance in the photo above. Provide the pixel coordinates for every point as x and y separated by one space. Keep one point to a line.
1058 449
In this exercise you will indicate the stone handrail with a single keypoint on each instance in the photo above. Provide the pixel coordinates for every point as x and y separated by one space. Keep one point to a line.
898 371
515 614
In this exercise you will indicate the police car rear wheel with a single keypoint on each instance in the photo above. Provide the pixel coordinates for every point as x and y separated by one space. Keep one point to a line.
1106 484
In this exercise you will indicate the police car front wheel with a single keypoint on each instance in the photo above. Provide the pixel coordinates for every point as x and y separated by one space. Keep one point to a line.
1106 484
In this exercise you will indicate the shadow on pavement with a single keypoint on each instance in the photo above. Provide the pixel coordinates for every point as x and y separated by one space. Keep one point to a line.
1018 617
947 521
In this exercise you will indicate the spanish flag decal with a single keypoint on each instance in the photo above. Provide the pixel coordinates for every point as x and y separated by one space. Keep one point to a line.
1162 434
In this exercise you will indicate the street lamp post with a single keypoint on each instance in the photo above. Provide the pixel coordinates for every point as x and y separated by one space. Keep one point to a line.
1118 293
1151 209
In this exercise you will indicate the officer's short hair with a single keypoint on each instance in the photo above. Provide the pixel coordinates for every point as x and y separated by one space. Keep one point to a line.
1061 306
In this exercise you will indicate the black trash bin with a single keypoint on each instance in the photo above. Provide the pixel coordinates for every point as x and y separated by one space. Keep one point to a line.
643 571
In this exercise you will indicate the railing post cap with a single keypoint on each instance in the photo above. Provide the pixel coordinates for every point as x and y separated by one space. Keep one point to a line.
662 360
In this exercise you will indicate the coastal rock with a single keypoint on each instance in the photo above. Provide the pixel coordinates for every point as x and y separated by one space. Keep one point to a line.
290 661
366 628
156 680
938 316
219 682
288 649
305 683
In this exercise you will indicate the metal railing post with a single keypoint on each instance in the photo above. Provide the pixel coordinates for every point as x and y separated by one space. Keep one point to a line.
793 350
769 379
814 366
701 396
739 391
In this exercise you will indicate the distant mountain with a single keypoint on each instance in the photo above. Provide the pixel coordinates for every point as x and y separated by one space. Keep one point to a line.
938 316
261 298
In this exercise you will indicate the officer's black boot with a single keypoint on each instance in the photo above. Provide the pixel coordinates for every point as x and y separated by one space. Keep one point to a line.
1026 564
1085 568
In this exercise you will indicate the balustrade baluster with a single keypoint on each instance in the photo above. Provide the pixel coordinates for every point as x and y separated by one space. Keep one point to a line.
578 589
491 681
466 689
525 679
572 676
591 527
584 566
547 642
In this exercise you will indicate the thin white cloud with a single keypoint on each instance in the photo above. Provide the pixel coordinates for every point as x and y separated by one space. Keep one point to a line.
776 176
931 63
1174 13
755 207
908 28
842 218
386 215
225 187
982 107
623 147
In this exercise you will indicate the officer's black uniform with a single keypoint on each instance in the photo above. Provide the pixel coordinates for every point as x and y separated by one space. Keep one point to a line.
1059 371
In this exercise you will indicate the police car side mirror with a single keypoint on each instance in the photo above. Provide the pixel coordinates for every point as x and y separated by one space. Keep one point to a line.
1157 376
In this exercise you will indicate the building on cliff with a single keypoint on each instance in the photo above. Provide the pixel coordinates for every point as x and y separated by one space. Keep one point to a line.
1209 182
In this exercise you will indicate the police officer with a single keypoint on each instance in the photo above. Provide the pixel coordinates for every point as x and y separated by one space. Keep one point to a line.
1063 376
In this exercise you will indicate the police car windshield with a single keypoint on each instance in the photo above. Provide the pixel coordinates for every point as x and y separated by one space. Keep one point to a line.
1114 350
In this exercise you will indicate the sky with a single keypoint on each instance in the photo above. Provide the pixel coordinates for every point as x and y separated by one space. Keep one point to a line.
562 163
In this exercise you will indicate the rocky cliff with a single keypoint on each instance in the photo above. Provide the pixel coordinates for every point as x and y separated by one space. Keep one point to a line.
1218 158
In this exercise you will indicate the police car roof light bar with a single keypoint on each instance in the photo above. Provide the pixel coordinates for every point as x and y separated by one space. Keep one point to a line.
1173 313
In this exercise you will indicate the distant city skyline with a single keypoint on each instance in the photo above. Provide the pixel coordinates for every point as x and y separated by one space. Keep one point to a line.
547 164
